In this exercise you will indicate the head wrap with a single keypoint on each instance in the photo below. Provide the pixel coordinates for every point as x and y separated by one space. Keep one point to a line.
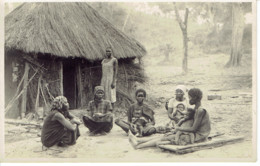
58 103
181 87
98 88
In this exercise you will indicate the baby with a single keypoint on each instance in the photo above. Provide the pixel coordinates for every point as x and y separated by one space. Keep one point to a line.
139 124
184 138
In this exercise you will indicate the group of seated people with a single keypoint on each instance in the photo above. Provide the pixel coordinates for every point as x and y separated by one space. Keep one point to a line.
187 125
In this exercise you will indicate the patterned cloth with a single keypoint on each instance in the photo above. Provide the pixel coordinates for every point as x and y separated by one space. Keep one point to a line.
104 106
107 79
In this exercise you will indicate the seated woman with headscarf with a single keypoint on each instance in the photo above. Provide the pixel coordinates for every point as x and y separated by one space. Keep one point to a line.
176 108
60 127
99 118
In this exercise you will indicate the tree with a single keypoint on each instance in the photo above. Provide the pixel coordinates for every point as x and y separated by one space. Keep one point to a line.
237 35
183 26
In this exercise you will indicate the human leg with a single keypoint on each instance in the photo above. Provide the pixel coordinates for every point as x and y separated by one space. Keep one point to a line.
69 137
139 143
105 127
124 125
89 123
149 130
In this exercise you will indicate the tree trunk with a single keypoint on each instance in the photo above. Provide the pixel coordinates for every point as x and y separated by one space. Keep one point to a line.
185 48
183 26
237 35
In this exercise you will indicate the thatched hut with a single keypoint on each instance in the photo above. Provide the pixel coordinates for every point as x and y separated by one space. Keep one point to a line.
55 49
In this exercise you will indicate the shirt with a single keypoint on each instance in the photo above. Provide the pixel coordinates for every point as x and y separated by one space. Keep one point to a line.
101 107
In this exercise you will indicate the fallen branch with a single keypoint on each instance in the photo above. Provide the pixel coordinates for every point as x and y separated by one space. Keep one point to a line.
234 103
49 93
217 142
23 123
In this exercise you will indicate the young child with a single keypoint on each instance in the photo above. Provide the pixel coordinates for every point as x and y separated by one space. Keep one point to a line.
183 138
139 124
177 106
140 117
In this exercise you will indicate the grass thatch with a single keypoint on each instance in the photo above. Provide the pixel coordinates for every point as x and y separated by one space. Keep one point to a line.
66 30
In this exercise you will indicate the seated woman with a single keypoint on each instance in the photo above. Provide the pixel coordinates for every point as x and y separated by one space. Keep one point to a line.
99 118
60 127
175 108
200 126
140 117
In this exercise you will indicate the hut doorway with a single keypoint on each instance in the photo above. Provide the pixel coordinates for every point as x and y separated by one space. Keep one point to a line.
69 83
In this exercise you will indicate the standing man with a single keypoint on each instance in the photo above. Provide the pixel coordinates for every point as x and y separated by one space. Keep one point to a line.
109 76
99 118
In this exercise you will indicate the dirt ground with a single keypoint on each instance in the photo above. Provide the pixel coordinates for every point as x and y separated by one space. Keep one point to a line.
231 115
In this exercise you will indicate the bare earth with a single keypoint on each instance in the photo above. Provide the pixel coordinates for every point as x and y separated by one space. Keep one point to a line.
231 115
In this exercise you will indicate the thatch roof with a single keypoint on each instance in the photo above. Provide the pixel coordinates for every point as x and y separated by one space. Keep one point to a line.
66 30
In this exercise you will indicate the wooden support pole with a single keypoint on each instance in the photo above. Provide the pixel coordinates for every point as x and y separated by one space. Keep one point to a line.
38 94
24 98
79 85
45 102
61 78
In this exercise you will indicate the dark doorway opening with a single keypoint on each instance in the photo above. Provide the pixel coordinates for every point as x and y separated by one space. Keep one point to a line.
69 83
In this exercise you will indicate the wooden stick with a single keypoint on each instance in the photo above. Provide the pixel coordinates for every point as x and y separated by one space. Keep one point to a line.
43 99
23 123
38 93
234 103
24 98
200 146
32 61
10 104
126 78
79 85
49 93
16 93
61 78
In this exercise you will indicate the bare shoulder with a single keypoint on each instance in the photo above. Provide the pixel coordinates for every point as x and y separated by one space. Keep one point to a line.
201 110
58 116
114 60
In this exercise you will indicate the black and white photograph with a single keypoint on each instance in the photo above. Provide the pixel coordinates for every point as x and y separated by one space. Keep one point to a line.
122 81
